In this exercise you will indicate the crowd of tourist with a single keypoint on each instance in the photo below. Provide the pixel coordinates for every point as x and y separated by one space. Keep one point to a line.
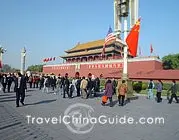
78 86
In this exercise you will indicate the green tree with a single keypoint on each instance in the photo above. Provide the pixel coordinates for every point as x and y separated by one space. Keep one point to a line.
171 61
35 68
7 68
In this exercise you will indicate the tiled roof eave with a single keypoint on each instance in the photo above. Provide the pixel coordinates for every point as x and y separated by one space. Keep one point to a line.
77 55
93 44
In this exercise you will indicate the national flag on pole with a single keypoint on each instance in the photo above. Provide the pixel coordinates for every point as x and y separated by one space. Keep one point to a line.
54 59
50 59
132 39
151 49
109 37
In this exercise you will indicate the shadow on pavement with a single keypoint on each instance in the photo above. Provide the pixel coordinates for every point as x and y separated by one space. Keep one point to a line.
8 100
41 102
4 94
13 97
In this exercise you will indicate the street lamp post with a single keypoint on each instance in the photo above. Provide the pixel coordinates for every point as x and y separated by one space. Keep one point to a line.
123 13
122 10
23 55
2 51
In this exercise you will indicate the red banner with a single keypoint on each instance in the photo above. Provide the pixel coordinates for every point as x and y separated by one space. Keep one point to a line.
60 67
107 66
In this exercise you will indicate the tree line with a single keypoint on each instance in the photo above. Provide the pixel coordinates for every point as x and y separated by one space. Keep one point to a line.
171 61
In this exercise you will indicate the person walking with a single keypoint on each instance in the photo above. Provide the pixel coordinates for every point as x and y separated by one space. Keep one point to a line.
78 82
66 86
150 89
41 82
30 81
46 84
97 85
122 91
4 82
58 86
108 92
173 90
89 86
159 88
9 82
20 89
83 87
114 83
53 82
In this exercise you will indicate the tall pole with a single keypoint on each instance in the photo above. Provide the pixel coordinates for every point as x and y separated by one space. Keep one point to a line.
2 50
125 59
117 19
23 55
124 9
134 10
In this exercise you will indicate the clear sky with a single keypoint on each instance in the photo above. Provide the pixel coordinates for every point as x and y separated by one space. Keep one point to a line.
48 27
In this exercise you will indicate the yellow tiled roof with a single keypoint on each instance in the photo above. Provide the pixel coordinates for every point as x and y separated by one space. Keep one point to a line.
89 52
88 45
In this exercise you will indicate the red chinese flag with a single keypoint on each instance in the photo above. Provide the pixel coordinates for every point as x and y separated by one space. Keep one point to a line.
44 60
47 59
50 59
132 39
151 49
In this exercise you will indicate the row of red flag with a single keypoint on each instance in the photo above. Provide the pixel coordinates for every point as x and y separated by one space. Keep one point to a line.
151 50
49 59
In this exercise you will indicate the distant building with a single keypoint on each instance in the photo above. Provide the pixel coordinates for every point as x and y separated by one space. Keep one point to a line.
86 58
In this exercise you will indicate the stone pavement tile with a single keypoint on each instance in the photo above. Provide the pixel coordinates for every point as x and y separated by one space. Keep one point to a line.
13 126
49 105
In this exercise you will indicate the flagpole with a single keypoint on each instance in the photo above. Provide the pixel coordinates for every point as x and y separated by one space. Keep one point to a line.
125 59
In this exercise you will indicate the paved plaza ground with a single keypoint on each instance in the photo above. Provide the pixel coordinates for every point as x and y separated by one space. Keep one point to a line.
14 124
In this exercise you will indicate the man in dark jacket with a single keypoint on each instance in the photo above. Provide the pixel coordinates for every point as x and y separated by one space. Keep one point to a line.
97 85
90 86
173 90
9 82
41 82
20 89
66 86
114 84
4 82
78 82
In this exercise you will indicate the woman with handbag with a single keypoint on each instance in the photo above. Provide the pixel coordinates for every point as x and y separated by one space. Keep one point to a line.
108 93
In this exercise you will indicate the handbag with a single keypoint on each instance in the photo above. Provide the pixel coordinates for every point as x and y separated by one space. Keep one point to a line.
104 99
